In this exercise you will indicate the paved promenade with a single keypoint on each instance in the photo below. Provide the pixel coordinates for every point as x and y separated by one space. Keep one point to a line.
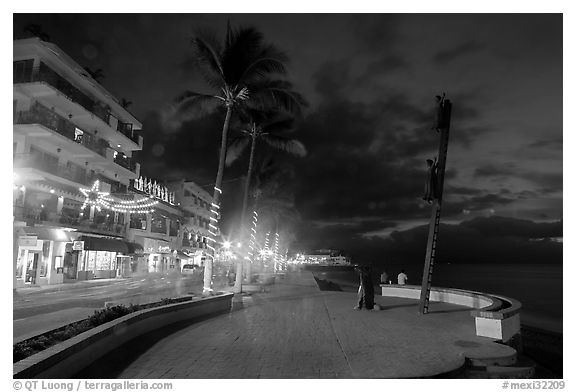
297 331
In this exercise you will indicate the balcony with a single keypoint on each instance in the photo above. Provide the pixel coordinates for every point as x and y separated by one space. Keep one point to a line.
125 162
39 215
43 73
24 73
44 164
39 114
126 130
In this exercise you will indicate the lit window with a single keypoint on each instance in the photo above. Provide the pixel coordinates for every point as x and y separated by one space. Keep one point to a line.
78 135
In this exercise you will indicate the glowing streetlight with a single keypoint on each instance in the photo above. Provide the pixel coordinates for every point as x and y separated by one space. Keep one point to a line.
239 245
227 244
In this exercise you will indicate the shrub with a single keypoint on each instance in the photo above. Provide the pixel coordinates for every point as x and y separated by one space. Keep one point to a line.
108 314
33 345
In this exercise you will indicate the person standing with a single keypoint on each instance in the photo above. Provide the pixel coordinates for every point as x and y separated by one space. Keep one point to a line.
366 289
402 278
384 278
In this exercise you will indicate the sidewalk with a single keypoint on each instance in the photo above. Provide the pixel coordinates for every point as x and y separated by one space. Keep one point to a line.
297 331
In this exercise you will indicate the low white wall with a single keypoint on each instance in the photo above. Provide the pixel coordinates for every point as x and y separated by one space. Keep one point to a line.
501 324
67 358
453 296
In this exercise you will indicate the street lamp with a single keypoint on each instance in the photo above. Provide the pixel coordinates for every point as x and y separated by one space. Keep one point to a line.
227 244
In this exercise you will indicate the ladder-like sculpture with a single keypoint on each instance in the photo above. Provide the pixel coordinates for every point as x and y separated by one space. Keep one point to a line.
442 124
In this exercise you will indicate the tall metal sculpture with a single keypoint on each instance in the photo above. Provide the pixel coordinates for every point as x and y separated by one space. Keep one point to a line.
434 190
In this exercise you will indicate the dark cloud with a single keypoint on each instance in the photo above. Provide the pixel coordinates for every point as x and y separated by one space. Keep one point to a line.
545 182
510 227
495 170
372 31
465 48
481 240
387 64
450 189
371 84
547 143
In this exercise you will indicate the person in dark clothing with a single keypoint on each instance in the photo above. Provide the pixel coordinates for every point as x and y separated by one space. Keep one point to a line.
366 289
430 191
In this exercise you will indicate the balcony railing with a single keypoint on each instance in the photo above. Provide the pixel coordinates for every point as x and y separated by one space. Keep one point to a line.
43 73
126 130
39 114
126 163
40 162
40 215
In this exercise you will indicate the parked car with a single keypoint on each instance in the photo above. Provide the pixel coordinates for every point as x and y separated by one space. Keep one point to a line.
189 269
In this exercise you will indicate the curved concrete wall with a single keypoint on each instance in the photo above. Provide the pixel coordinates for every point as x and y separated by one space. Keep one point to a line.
70 356
495 316
471 299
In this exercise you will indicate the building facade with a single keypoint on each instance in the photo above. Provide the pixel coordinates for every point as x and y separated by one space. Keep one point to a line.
69 135
195 203
158 233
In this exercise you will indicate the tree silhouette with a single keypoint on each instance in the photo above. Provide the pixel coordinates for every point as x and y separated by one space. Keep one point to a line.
96 74
35 30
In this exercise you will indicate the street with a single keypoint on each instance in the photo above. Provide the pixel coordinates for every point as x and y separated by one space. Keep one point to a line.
40 309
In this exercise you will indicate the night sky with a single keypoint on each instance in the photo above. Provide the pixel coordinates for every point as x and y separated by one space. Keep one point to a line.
370 80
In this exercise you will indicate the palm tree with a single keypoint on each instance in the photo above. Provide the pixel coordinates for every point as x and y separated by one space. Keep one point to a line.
274 129
240 71
36 30
96 74
272 200
125 103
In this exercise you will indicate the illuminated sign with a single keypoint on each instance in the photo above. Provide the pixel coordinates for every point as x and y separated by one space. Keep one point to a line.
78 245
28 240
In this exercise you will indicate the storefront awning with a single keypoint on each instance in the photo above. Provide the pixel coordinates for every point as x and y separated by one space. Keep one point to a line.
134 248
182 255
44 233
109 244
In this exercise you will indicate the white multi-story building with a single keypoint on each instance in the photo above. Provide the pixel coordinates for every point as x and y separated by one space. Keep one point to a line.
196 204
68 132
158 233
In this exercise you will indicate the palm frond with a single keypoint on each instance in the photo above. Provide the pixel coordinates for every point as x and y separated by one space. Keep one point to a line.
268 62
235 150
244 46
206 51
261 68
279 126
291 146
276 94
191 105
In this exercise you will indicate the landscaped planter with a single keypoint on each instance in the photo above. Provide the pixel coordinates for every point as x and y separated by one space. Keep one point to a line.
67 358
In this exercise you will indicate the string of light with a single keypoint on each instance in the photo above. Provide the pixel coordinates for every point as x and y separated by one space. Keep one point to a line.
213 228
93 197
253 236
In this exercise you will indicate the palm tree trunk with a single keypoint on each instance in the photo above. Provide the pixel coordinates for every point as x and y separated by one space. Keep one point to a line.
216 198
245 233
